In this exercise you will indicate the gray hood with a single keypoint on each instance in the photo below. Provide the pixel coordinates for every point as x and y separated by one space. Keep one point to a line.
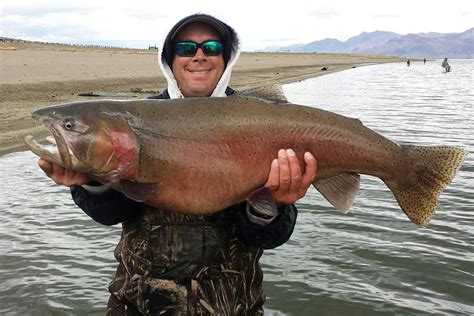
231 53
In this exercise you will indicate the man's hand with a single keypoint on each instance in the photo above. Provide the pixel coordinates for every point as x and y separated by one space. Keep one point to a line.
286 180
61 175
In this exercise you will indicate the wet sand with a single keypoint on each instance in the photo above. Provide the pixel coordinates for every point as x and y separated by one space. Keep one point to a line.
33 75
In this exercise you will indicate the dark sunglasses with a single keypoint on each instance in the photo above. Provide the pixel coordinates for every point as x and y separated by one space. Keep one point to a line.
189 48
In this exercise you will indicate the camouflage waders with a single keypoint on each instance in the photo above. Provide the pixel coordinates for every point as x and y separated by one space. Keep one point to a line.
173 264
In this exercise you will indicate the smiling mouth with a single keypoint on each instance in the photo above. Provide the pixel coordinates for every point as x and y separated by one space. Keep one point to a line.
200 71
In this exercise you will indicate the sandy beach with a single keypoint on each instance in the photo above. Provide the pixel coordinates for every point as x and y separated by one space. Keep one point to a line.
34 75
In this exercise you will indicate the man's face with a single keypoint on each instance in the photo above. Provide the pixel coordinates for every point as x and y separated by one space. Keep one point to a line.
198 75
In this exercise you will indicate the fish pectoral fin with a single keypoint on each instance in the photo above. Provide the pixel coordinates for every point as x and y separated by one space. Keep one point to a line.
262 201
137 191
340 190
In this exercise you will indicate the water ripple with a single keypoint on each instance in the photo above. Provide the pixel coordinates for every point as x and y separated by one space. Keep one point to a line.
373 259
55 260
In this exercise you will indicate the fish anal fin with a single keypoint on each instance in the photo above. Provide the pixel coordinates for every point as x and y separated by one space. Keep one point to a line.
340 190
137 191
262 202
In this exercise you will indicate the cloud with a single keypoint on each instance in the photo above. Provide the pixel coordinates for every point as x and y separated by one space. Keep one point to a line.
277 39
386 16
144 14
265 23
323 13
47 20
33 10
57 22
52 29
465 12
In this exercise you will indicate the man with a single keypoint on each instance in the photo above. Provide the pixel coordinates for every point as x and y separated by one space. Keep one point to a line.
445 65
176 264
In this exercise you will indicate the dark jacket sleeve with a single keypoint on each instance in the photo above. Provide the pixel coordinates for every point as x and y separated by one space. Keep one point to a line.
269 236
108 208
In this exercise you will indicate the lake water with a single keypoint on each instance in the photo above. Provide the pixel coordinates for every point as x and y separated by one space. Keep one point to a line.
55 260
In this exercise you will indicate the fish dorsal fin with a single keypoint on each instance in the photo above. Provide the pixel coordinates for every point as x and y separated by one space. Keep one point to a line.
137 191
262 201
340 190
272 93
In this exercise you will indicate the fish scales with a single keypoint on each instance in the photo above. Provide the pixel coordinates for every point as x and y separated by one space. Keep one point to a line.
201 155
251 133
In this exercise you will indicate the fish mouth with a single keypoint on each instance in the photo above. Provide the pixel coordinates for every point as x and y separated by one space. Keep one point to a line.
60 153
43 151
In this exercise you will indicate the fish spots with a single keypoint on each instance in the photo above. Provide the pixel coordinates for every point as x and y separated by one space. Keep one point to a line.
429 171
252 154
189 143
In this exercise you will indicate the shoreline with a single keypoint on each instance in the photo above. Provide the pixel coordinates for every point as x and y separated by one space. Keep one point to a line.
35 77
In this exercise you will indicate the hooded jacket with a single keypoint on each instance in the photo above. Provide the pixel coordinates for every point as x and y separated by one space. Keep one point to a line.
231 53
183 264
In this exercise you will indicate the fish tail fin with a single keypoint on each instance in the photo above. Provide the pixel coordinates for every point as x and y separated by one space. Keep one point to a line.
431 169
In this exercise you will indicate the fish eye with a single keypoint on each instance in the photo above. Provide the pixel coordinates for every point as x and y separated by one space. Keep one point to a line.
68 124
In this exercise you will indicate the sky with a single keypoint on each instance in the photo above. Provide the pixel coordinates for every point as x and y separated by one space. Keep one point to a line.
260 24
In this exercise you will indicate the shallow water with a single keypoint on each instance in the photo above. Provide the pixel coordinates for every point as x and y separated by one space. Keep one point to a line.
55 260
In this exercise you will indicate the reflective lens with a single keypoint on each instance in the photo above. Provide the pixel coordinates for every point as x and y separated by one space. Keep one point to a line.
189 48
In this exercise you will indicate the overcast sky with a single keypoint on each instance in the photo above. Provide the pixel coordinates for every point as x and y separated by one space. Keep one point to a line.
260 23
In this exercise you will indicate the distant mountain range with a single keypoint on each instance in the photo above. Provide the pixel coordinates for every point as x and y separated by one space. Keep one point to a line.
421 45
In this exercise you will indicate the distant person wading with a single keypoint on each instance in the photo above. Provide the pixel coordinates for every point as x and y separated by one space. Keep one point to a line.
445 65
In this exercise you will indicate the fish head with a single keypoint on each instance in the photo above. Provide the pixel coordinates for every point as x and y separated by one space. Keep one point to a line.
90 138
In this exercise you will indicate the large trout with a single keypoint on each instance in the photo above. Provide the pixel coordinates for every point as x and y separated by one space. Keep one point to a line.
201 155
